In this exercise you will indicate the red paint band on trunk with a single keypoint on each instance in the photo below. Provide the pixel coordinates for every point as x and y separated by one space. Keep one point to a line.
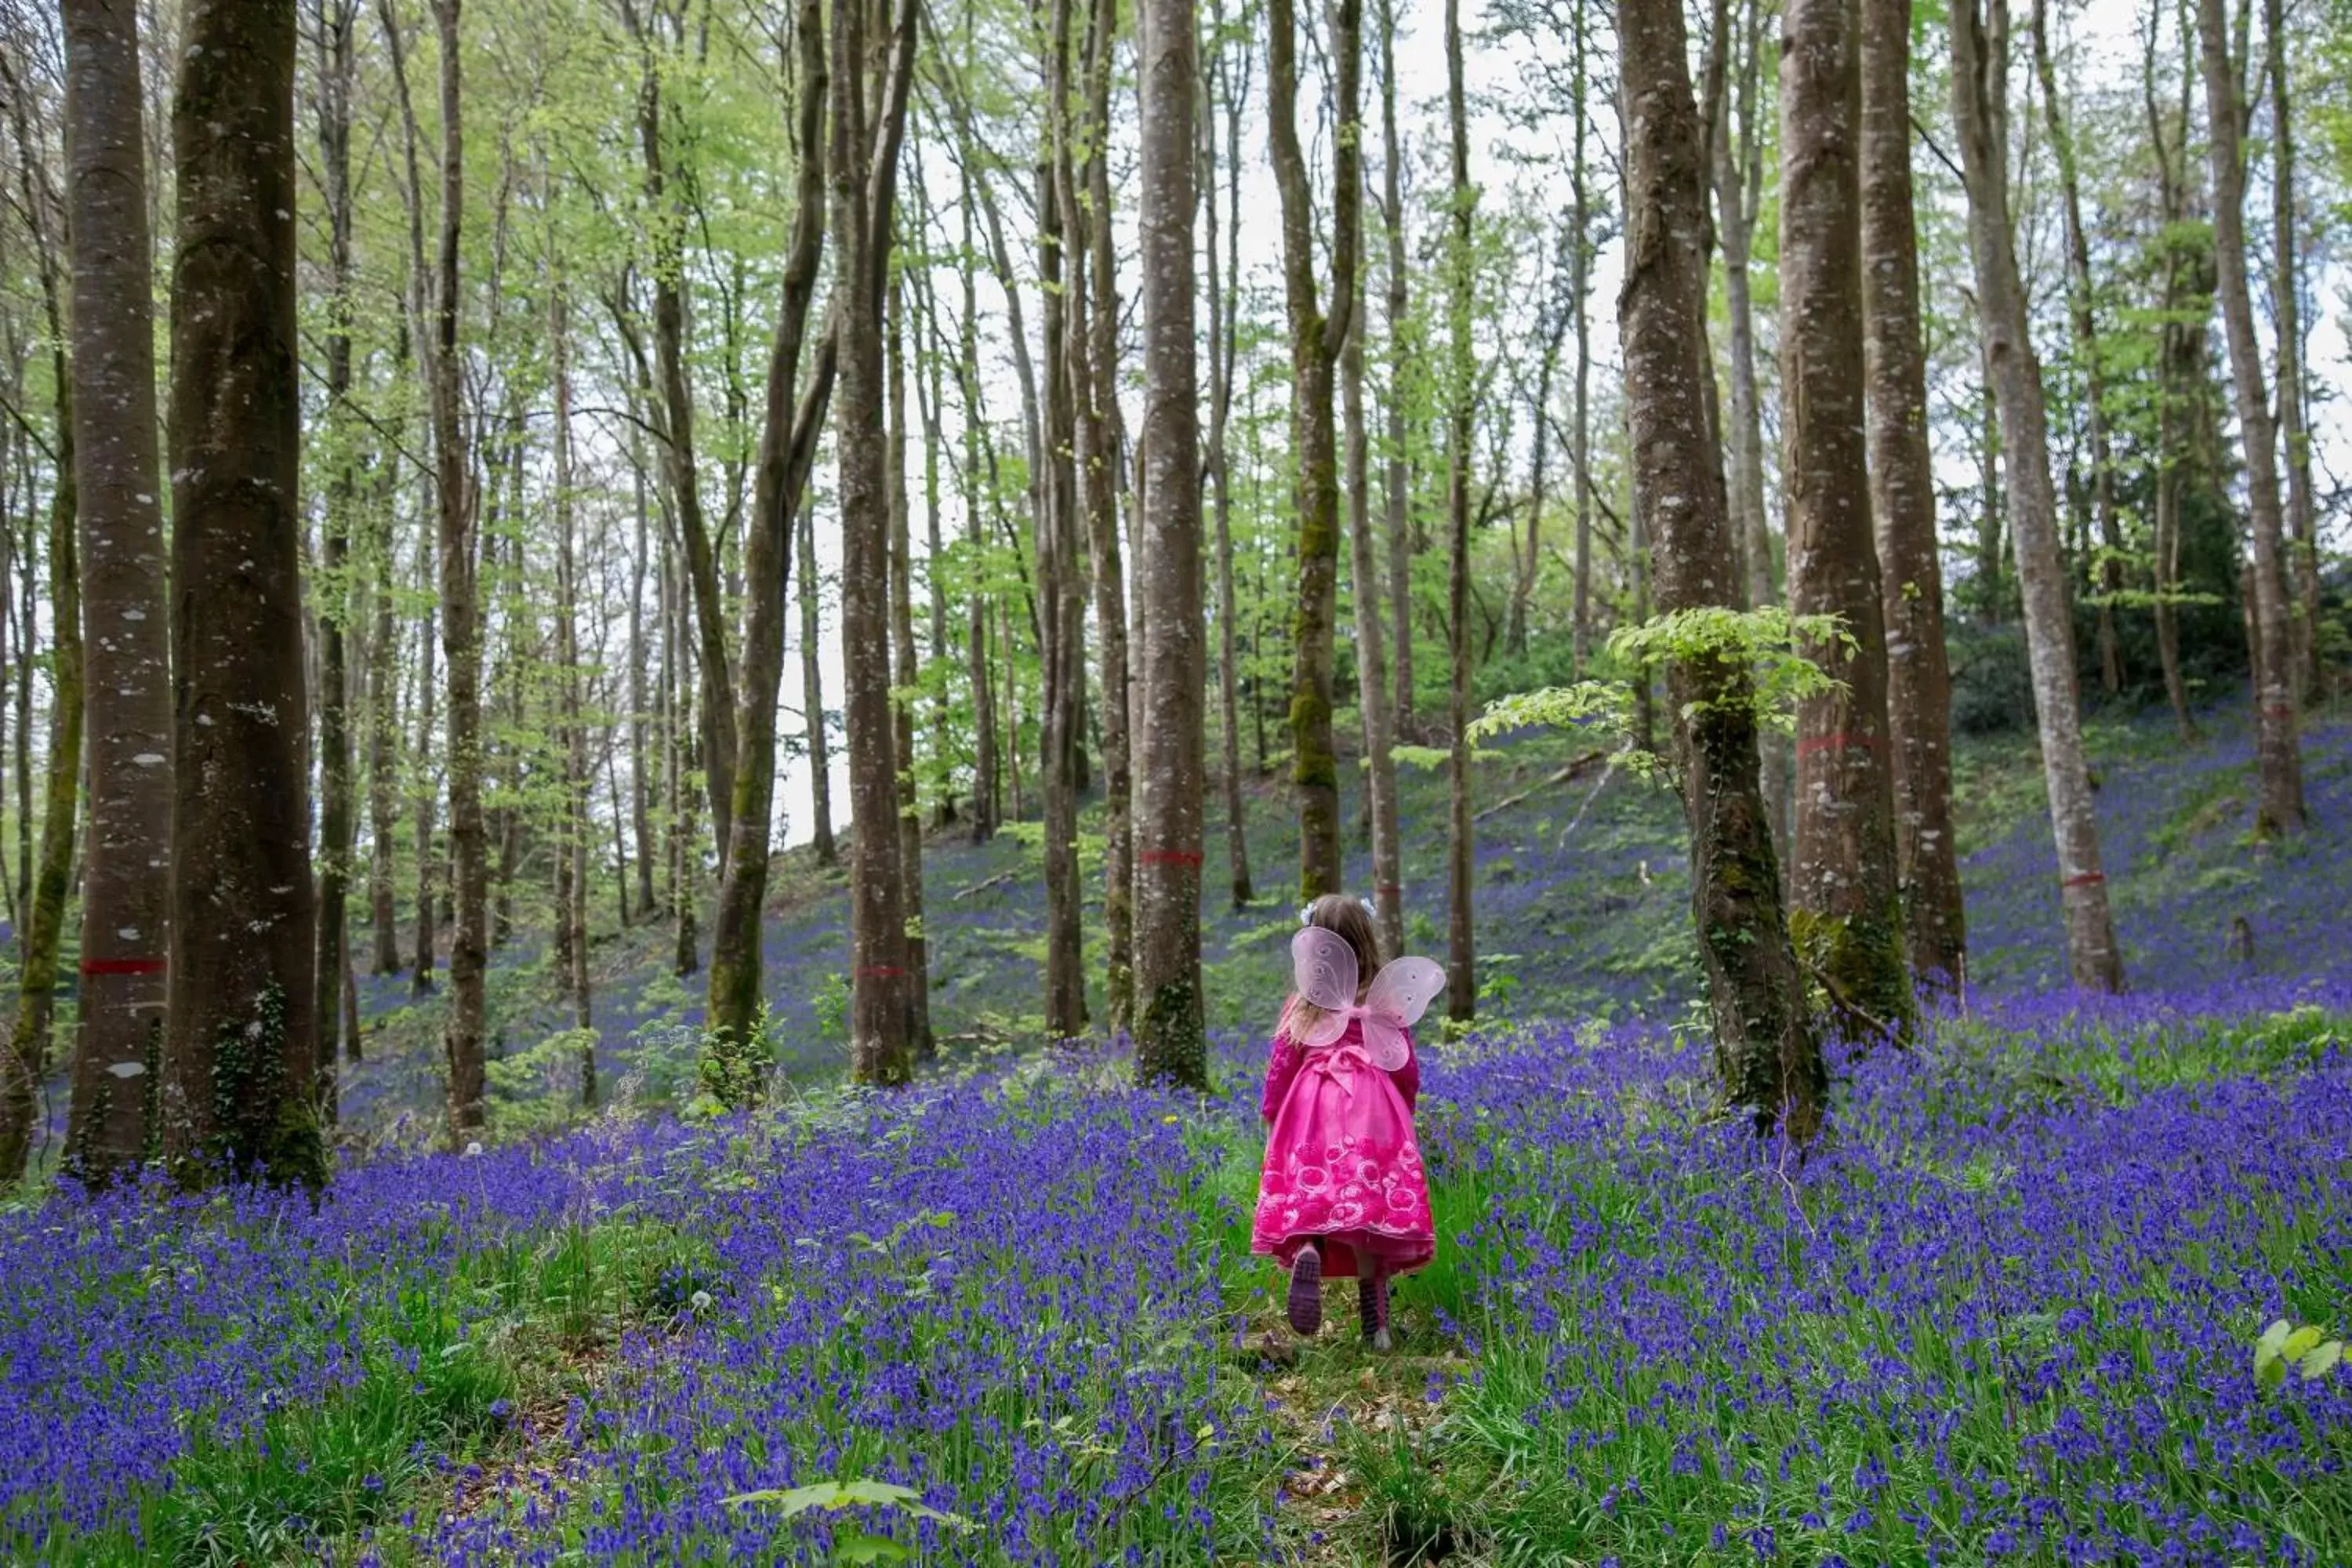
122 966
1838 741
1170 857
2088 879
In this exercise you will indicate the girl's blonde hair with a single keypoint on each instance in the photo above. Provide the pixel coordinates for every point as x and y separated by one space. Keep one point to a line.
1352 922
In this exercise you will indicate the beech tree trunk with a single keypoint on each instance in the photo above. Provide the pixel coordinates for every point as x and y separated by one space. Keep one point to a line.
1398 474
864 160
980 673
713 706
2286 296
384 725
1979 56
788 425
2083 319
459 506
240 1048
1224 347
1903 507
2175 341
1060 597
2278 751
907 676
1315 342
572 842
1766 1053
126 650
1848 919
336 24
1738 188
1171 1041
1364 586
1461 848
26 1061
1092 343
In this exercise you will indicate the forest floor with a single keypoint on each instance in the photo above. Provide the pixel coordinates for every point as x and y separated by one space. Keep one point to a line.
2004 1313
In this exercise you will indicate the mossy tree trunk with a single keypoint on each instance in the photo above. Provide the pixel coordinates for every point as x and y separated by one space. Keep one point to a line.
1766 1055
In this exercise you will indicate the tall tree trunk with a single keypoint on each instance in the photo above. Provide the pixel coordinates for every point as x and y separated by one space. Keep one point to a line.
2278 751
686 843
1365 586
2083 321
571 842
2173 337
862 165
1848 917
712 704
1739 197
908 674
241 1044
126 650
1460 847
1170 1042
640 711
789 427
1903 506
1225 344
458 516
820 750
2286 294
1095 382
980 673
1766 1054
426 790
336 26
1398 474
384 734
1061 600
25 1063
1979 55
930 403
1315 342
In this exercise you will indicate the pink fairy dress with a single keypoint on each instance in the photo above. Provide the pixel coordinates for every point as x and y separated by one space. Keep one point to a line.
1340 1159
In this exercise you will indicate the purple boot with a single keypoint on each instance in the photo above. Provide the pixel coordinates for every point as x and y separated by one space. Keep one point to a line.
1306 1302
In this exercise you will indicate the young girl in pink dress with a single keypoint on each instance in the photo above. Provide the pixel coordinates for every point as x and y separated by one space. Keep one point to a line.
1342 1195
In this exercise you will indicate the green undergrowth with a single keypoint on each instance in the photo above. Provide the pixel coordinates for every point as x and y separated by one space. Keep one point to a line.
446 1371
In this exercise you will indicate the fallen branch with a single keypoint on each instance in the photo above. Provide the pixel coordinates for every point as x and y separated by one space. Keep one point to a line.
978 888
1565 775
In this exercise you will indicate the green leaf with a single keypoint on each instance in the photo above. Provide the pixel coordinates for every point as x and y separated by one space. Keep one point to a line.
2270 1373
834 1496
2267 1348
2321 1361
2300 1344
868 1549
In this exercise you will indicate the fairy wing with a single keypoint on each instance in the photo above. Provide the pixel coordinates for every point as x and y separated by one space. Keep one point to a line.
1323 970
1400 994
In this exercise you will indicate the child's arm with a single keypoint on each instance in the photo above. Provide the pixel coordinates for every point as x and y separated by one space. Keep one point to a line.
1281 1068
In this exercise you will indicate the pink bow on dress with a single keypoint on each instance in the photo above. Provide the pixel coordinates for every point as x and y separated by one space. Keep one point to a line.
1324 967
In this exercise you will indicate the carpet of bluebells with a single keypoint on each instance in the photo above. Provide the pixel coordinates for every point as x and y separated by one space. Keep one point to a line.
2004 1313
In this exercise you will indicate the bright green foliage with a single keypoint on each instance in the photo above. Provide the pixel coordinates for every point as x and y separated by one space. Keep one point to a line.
2307 1349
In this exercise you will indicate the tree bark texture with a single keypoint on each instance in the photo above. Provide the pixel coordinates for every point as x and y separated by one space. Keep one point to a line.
1461 844
1766 1055
1978 56
126 648
241 1044
1903 509
1171 1040
2278 751
1847 916
1314 343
